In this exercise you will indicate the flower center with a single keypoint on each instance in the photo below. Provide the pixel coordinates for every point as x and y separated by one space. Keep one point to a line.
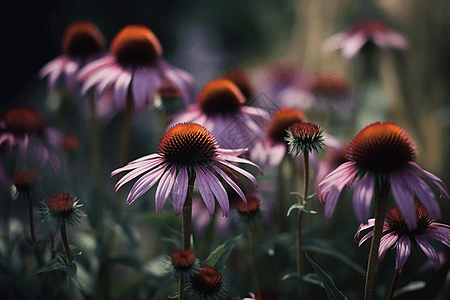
70 143
208 281
382 147
240 79
369 27
330 84
82 39
281 121
23 120
23 180
61 203
252 207
136 45
397 222
220 96
266 295
188 144
183 259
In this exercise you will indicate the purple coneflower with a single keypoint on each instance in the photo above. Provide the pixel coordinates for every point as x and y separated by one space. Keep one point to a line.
185 151
135 65
352 40
397 232
325 91
273 148
23 126
82 43
184 263
220 109
379 155
334 158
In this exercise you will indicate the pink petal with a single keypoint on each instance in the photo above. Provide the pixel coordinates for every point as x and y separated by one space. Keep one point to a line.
365 238
276 154
429 251
95 78
135 173
433 178
144 183
52 66
205 191
133 165
230 182
370 223
386 242
439 234
404 199
237 169
352 44
403 251
218 191
121 88
333 42
164 188
180 189
362 197
95 66
107 81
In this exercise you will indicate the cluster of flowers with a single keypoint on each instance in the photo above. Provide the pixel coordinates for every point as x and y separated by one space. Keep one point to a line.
197 149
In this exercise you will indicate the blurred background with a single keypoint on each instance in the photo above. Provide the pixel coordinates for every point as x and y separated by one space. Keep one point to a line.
206 38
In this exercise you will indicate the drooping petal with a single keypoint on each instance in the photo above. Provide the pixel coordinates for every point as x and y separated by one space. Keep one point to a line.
403 251
333 43
95 66
154 82
218 191
276 154
365 238
352 44
146 157
180 189
121 88
51 66
180 82
205 191
239 160
386 242
146 167
132 165
164 188
107 81
433 178
404 198
95 78
231 183
423 192
70 72
429 251
362 197
237 169
144 183
370 223
342 175
439 234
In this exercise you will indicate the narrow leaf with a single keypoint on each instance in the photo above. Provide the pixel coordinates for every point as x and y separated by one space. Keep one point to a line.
410 287
332 292
289 276
219 256
55 264
302 207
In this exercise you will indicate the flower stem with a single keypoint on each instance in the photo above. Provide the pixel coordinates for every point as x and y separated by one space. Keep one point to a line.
280 198
252 244
32 232
393 283
381 200
299 226
124 147
186 225
64 240
96 163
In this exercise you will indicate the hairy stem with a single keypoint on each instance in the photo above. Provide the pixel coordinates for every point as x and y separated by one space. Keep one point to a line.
393 283
252 244
65 242
381 199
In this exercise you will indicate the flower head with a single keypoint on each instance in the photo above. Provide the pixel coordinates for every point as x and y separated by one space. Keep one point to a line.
82 42
250 211
240 78
304 137
397 232
70 143
134 65
207 284
184 263
273 148
24 184
381 153
63 208
186 150
220 108
24 127
363 32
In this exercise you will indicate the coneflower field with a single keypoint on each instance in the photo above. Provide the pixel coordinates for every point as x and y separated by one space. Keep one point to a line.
240 150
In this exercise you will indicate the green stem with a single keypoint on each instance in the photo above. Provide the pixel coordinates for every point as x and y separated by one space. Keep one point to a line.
299 226
381 199
32 232
186 226
393 283
65 242
124 148
280 198
96 162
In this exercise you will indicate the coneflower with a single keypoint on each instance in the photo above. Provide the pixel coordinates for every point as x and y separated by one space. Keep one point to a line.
207 284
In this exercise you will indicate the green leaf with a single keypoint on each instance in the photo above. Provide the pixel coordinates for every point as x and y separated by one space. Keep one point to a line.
335 253
219 256
302 207
313 278
301 197
55 264
332 291
410 287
